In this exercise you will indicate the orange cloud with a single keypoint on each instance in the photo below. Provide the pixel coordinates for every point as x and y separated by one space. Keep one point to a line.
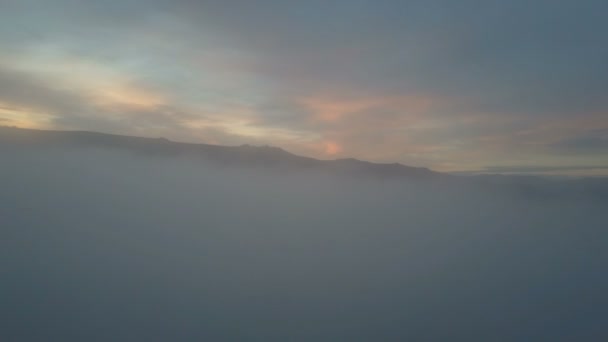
332 109
23 117
326 109
380 128
125 95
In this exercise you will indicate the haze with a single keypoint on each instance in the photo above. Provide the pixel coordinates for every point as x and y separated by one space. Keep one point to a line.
110 243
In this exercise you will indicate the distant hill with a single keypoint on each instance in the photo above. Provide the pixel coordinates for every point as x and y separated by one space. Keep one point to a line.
274 158
244 155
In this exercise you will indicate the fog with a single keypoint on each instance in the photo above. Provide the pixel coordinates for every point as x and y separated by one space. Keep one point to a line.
111 245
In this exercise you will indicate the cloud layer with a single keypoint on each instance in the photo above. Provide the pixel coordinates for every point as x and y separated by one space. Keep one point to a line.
112 245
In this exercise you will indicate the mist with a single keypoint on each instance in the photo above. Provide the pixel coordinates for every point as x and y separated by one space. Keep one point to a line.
102 244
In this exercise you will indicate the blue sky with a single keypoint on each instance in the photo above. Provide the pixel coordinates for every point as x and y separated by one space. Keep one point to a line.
452 85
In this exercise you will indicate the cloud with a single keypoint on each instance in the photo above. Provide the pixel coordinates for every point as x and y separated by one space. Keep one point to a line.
518 57
21 88
133 247
542 169
592 142
510 57
93 98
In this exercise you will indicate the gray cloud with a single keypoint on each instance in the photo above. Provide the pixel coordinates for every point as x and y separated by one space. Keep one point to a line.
541 57
106 244
594 141
542 169
525 57
20 88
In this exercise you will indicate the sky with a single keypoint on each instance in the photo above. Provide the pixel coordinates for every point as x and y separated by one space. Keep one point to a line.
459 86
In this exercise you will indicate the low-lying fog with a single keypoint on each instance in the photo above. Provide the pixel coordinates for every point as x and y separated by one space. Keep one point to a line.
108 245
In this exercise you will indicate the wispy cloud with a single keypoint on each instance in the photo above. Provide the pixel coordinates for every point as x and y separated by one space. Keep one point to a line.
592 141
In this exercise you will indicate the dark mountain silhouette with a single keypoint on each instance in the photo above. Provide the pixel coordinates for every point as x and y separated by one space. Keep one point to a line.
244 155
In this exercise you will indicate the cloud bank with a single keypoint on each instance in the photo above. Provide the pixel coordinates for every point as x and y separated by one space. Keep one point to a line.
105 244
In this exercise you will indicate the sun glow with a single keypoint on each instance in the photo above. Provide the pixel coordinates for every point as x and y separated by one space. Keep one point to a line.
23 117
332 148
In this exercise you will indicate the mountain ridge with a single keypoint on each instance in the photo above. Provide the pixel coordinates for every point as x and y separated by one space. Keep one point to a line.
245 154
